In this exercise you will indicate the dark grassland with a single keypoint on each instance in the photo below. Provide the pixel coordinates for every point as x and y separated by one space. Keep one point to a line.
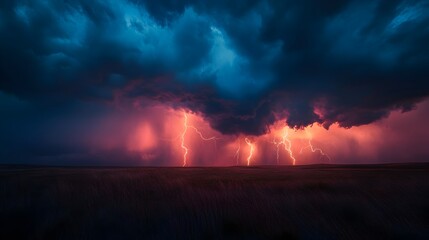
304 202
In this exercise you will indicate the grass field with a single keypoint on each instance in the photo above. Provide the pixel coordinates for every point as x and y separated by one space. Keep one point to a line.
303 202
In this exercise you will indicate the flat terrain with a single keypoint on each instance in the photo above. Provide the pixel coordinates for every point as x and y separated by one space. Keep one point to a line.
303 202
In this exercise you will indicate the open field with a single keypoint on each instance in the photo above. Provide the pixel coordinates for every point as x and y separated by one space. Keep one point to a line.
303 202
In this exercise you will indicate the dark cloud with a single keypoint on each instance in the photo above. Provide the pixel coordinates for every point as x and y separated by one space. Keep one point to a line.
242 64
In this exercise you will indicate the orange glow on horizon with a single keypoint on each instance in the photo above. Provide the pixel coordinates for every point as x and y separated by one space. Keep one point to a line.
191 144
175 136
161 135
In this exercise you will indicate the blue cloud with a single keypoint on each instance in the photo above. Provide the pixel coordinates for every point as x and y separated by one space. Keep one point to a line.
240 65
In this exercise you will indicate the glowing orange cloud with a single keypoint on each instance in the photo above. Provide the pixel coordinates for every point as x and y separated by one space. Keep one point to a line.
283 136
162 135
144 139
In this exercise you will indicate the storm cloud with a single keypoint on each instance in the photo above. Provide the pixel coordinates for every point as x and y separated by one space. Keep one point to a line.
241 64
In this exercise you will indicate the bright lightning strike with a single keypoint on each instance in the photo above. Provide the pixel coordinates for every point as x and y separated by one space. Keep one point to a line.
277 149
287 145
252 149
182 137
237 153
312 148
201 135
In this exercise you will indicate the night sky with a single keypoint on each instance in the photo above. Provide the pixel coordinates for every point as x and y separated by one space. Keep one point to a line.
111 82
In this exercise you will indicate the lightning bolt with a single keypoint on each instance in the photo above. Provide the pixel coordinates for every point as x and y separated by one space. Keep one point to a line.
287 145
314 149
182 137
277 149
252 149
237 153
201 135
205 138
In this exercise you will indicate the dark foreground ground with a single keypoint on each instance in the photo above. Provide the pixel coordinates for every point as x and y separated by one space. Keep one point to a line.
305 202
